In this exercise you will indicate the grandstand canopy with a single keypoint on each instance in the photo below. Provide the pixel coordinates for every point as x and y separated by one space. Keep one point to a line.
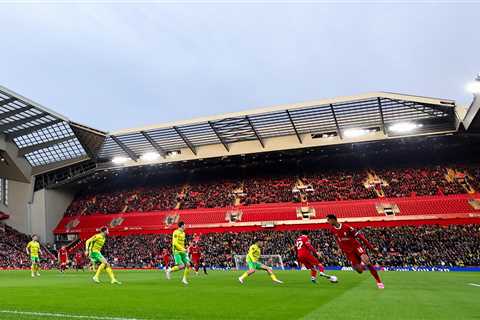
43 137
48 140
339 120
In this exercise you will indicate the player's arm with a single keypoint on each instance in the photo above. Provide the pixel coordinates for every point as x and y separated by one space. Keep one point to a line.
358 235
89 245
309 246
175 242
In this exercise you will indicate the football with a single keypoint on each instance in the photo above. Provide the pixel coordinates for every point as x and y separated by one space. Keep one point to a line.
333 279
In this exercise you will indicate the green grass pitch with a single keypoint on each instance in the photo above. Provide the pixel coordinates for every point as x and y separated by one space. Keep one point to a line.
148 295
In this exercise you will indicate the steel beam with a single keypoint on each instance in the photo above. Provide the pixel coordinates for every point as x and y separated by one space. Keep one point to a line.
184 138
43 145
255 132
29 130
381 115
154 144
13 124
294 127
124 147
339 132
225 145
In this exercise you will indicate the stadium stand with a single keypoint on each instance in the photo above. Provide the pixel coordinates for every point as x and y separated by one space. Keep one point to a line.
314 187
400 246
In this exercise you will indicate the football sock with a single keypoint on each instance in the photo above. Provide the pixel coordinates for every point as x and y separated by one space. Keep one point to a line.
313 273
374 273
186 272
99 270
243 276
110 273
274 278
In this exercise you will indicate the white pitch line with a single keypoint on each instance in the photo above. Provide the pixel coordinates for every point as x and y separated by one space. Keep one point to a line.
474 284
62 315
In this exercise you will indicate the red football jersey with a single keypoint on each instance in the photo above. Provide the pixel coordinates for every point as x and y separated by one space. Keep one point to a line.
303 246
194 251
78 257
63 254
346 237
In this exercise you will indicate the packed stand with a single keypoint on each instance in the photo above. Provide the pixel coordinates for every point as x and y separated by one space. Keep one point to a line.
157 194
12 250
454 245
339 185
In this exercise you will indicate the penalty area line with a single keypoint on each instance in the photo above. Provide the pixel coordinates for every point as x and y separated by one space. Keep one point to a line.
474 284
62 315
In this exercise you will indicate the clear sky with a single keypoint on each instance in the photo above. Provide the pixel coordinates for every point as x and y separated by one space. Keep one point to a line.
121 65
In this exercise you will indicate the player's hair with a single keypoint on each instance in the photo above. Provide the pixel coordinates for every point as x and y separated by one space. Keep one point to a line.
181 224
34 235
103 229
331 216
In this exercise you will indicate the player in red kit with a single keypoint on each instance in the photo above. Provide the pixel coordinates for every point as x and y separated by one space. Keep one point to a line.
63 258
348 239
166 258
79 261
195 254
309 257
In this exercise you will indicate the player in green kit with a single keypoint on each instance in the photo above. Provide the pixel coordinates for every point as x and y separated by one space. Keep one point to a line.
253 263
179 253
33 249
93 247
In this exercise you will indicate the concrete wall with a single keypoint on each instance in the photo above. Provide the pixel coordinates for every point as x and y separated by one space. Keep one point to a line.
47 210
19 194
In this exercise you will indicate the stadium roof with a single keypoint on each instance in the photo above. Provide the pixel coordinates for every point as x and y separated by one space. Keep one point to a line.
43 136
378 110
50 141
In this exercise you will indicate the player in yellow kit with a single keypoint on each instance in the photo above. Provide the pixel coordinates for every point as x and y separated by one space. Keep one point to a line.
93 247
34 251
179 253
253 263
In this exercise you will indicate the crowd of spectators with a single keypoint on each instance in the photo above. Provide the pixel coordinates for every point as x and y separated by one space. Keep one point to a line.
425 181
319 186
12 250
433 245
454 245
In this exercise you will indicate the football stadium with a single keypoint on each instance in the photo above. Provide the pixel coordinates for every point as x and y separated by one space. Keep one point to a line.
362 206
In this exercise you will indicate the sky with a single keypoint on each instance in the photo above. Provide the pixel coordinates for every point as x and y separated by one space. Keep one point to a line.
116 65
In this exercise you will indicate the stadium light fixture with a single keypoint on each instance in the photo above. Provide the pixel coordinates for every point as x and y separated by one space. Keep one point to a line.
474 86
403 127
119 160
150 156
355 133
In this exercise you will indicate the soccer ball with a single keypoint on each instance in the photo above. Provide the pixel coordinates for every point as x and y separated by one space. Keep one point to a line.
333 279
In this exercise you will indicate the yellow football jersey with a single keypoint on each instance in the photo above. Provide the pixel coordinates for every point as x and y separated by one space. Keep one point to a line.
95 243
34 248
254 253
178 241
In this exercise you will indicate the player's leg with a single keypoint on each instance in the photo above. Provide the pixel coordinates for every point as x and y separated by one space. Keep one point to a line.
187 264
270 273
37 266
366 260
33 268
356 262
252 267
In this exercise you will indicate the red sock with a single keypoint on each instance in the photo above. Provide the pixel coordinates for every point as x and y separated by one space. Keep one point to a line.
313 272
321 268
374 273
